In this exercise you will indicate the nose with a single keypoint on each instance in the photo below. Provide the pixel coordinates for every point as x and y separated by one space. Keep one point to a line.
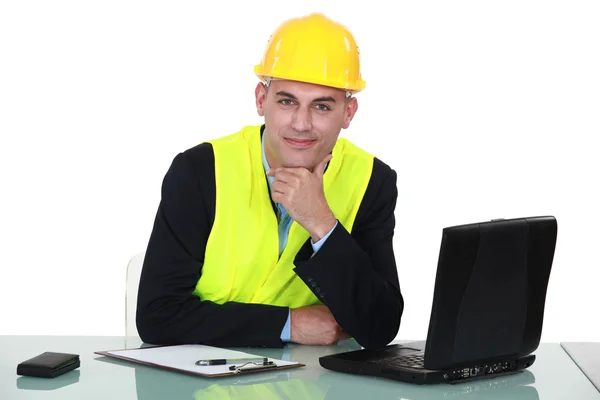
302 120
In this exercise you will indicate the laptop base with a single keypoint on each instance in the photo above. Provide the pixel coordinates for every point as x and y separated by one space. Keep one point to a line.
381 363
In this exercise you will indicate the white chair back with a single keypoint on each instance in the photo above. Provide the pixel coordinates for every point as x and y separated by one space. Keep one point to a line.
134 270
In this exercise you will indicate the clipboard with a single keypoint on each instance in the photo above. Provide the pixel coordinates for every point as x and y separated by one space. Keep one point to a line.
182 359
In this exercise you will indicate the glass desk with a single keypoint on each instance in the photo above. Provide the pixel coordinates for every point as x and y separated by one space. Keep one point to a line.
553 376
587 357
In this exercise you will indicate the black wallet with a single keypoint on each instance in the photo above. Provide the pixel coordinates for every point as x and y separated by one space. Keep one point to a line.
49 365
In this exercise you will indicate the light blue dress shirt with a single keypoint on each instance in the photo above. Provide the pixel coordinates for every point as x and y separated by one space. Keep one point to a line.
285 222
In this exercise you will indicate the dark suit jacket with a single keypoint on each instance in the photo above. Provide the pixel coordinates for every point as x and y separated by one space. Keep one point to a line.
354 275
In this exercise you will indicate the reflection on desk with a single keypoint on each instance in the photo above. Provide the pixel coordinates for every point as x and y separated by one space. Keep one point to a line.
333 386
507 387
44 384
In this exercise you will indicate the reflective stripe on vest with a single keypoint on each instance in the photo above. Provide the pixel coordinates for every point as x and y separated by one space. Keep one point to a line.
242 260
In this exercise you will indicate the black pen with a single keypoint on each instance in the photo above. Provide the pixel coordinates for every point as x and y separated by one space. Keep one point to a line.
223 361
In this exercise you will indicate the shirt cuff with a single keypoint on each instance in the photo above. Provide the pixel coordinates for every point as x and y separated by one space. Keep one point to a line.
286 332
317 246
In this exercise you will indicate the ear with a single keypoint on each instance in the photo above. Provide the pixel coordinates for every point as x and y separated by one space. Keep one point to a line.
349 111
260 93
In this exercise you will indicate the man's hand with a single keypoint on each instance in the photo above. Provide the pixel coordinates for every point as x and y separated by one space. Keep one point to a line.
315 325
301 193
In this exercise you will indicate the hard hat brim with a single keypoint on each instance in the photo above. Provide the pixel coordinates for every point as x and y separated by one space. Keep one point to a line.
359 86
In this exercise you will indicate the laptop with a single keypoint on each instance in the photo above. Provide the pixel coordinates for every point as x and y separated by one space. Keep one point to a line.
487 310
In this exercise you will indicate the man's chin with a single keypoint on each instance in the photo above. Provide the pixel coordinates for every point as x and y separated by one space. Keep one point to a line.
298 164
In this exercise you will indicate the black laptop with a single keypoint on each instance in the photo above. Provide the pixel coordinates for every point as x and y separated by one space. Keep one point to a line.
487 312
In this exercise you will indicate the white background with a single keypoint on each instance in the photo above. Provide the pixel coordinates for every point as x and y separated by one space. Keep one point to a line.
485 109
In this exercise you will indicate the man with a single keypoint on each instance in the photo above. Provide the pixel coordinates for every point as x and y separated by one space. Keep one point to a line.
279 232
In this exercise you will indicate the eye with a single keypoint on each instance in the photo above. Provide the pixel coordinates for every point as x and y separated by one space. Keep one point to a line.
323 107
286 102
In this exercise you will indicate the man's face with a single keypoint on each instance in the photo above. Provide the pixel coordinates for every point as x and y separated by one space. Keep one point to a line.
303 121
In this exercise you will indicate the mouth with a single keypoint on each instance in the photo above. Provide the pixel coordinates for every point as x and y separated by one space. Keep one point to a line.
300 143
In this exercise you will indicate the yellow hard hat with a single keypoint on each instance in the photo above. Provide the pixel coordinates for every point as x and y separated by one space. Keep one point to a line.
313 49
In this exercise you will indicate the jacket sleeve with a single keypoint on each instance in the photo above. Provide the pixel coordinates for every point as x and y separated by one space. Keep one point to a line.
167 311
354 274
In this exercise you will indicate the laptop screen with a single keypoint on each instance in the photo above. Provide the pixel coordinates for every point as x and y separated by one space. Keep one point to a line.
490 290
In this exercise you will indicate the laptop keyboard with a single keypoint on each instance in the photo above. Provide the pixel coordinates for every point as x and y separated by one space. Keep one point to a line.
414 360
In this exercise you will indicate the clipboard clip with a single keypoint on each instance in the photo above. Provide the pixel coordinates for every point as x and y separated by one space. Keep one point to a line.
252 366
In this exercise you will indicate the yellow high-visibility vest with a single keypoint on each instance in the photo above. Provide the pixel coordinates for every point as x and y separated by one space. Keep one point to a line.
242 261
